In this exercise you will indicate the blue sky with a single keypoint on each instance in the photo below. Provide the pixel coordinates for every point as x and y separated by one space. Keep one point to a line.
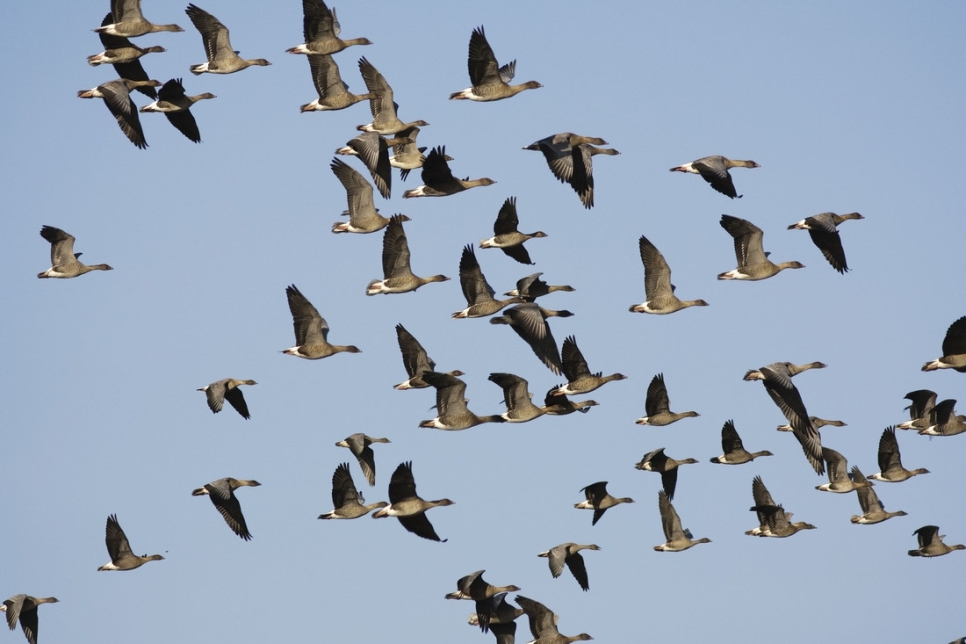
855 108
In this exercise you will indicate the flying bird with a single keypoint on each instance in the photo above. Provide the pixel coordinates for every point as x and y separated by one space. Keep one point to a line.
117 97
677 538
333 92
119 549
777 379
381 103
734 451
473 587
407 506
954 349
451 404
222 57
373 149
931 543
753 262
574 367
320 27
359 445
127 21
24 608
823 229
397 274
569 554
714 170
506 237
227 389
489 81
598 500
667 467
479 295
346 499
659 297
657 406
772 519
311 330
222 495
529 321
415 360
438 179
176 107
63 260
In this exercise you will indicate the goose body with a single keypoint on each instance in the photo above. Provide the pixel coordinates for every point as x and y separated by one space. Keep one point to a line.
734 451
438 179
333 93
543 624
398 276
529 321
489 81
516 396
451 404
568 554
531 287
598 500
320 27
677 539
943 420
714 170
817 422
657 406
364 217
658 290
415 360
922 402
359 445
473 587
570 158
117 97
574 367
24 608
381 103
346 499
777 379
890 460
477 291
667 467
954 349
176 106
407 506
119 549
772 519
311 330
506 237
872 510
931 543
839 480
373 150
227 389
753 262
222 57
405 154
129 22
823 229
63 261
559 405
222 495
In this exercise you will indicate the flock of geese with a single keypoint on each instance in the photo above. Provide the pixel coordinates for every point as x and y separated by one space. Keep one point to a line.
569 157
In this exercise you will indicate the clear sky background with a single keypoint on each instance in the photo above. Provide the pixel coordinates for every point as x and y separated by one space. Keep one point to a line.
846 108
